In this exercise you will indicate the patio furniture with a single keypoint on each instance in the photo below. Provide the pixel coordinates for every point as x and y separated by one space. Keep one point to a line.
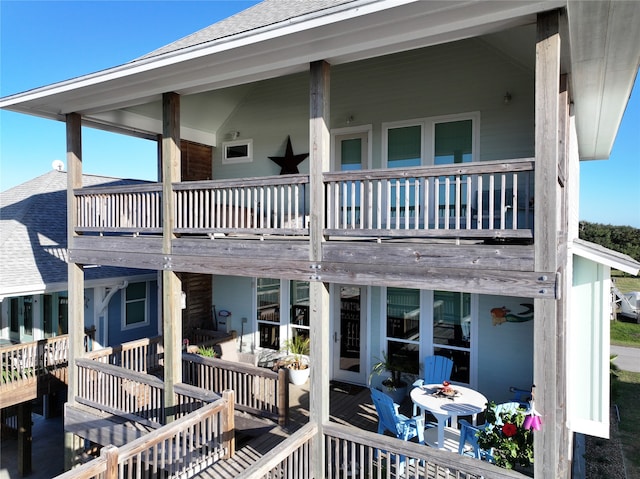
469 441
465 402
468 432
436 370
390 419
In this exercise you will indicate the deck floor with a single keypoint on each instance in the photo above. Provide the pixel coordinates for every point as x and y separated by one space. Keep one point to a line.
348 406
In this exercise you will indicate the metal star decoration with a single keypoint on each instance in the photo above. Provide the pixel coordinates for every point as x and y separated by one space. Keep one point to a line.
289 162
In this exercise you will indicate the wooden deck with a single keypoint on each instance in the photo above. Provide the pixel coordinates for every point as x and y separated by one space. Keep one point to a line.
348 406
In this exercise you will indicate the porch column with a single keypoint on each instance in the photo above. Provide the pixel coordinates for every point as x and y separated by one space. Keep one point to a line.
319 162
75 277
171 313
546 367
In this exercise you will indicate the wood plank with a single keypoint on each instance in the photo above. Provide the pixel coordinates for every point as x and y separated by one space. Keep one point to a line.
101 428
481 167
320 162
509 283
547 78
473 256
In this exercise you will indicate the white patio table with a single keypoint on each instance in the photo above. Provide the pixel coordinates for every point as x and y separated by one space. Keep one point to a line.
467 402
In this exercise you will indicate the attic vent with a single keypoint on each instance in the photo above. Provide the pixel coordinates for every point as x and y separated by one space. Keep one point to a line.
57 165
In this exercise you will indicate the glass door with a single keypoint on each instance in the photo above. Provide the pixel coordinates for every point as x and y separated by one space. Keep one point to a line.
349 346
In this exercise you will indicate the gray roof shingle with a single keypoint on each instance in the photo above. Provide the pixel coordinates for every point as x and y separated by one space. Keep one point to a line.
33 234
264 14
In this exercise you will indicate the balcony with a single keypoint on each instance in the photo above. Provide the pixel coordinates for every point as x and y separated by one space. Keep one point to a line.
492 199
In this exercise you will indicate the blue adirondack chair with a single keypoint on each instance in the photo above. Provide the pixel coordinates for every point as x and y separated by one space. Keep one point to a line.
389 419
436 369
401 426
468 444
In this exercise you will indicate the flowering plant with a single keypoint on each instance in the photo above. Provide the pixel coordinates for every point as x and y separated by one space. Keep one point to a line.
505 437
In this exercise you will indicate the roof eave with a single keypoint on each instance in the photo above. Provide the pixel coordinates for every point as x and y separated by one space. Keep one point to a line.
604 62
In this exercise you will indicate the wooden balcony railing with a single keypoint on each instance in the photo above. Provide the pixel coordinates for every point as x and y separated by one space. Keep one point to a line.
133 395
126 209
180 449
252 205
478 200
28 361
258 391
143 355
291 459
358 454
471 199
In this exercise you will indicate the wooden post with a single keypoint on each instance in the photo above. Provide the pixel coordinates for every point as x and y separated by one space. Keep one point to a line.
171 287
75 274
545 369
283 396
110 452
228 423
25 438
319 162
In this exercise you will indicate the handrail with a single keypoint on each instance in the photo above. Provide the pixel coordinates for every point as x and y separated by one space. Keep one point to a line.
353 452
27 361
181 448
133 395
477 200
291 459
259 391
142 355
483 199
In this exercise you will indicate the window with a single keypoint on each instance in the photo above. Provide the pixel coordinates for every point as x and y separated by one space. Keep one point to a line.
452 331
268 304
239 151
429 141
135 306
299 297
403 328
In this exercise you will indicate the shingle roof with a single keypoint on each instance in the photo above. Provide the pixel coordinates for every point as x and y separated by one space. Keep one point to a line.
264 14
33 234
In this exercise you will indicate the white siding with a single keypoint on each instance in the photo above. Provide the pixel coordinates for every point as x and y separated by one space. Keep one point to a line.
588 349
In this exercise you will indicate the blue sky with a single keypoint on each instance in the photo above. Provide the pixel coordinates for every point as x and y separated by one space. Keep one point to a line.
42 42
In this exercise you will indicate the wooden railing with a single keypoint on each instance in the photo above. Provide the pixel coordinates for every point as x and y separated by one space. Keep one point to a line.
28 361
129 394
358 454
143 355
133 395
490 198
180 449
258 391
127 209
250 205
477 200
291 459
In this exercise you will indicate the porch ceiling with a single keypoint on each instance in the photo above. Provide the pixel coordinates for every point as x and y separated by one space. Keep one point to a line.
604 60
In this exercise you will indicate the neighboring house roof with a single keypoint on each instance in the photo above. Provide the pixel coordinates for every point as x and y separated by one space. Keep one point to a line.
602 255
280 37
33 236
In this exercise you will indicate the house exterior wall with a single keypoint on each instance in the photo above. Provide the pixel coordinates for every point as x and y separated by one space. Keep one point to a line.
504 351
462 77
116 333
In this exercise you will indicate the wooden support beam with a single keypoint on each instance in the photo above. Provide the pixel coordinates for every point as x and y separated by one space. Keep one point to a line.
545 369
319 162
171 286
75 274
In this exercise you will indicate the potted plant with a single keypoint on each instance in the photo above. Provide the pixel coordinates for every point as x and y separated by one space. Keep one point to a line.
297 359
508 440
394 385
